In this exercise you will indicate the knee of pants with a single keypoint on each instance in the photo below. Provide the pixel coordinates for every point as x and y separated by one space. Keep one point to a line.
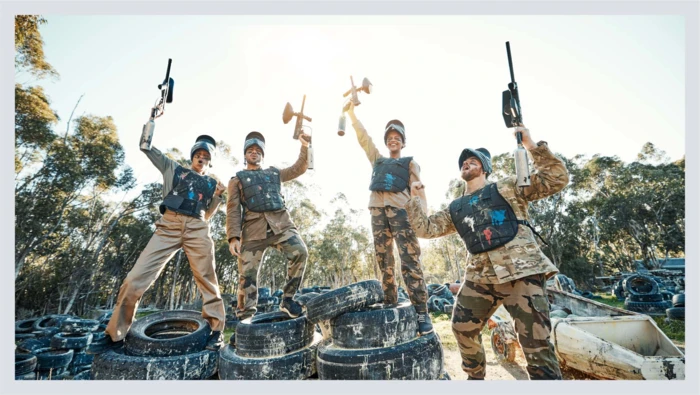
303 253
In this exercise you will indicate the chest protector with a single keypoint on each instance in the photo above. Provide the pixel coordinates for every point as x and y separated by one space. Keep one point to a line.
261 189
484 219
191 193
390 175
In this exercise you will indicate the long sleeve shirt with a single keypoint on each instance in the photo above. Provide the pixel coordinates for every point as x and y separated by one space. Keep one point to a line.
255 225
521 256
383 198
167 167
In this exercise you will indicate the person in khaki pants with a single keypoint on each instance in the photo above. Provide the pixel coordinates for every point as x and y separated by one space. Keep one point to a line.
190 199
257 218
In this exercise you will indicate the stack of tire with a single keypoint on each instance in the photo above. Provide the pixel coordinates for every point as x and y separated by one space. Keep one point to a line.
54 347
440 299
167 345
643 295
372 341
677 312
618 291
270 346
267 303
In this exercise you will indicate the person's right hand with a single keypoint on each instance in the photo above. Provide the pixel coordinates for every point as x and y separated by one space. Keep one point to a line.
235 247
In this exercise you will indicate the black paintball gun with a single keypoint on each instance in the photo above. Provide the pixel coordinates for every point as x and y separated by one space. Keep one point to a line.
512 115
166 89
287 116
366 87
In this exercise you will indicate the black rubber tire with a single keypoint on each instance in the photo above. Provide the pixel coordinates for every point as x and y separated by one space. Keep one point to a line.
378 325
418 359
25 326
445 376
646 307
70 340
639 284
82 358
99 335
27 376
20 337
24 363
678 300
676 313
646 298
115 365
305 298
77 325
53 359
154 334
32 345
263 292
265 301
297 365
84 375
667 295
272 334
52 321
344 299
58 374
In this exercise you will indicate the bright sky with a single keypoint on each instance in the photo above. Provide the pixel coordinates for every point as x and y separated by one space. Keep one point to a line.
588 84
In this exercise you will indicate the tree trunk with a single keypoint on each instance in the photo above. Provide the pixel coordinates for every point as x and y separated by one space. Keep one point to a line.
72 299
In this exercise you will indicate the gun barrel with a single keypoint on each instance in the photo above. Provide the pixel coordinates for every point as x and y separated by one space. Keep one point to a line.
303 101
167 73
510 62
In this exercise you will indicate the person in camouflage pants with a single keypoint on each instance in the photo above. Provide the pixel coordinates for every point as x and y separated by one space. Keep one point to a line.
505 265
257 219
391 178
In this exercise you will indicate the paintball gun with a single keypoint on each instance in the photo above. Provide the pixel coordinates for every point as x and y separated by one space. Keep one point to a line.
166 96
287 116
512 115
366 87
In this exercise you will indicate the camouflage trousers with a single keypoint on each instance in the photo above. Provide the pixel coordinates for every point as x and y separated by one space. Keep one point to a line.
389 223
288 243
526 301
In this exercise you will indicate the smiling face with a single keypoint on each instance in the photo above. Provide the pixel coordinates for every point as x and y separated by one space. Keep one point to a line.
471 169
253 155
200 160
394 141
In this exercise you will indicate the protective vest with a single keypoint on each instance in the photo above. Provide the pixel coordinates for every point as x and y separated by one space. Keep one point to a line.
390 175
484 219
261 189
191 193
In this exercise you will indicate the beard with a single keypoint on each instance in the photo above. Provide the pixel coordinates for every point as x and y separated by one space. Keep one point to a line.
470 174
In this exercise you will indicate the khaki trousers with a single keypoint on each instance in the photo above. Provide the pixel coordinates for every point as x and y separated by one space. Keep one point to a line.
173 231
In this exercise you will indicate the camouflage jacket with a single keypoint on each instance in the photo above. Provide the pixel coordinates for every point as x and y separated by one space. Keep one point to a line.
253 225
521 256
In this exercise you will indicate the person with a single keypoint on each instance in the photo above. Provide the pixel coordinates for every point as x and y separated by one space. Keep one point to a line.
257 219
391 179
505 264
190 199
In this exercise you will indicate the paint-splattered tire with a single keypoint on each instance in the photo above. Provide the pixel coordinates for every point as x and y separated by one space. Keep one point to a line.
77 325
115 365
25 326
297 365
272 334
418 359
639 284
32 345
53 359
168 333
84 375
24 363
70 340
375 326
648 298
345 299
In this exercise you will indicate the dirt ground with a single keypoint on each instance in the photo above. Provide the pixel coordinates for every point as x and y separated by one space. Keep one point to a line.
494 369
